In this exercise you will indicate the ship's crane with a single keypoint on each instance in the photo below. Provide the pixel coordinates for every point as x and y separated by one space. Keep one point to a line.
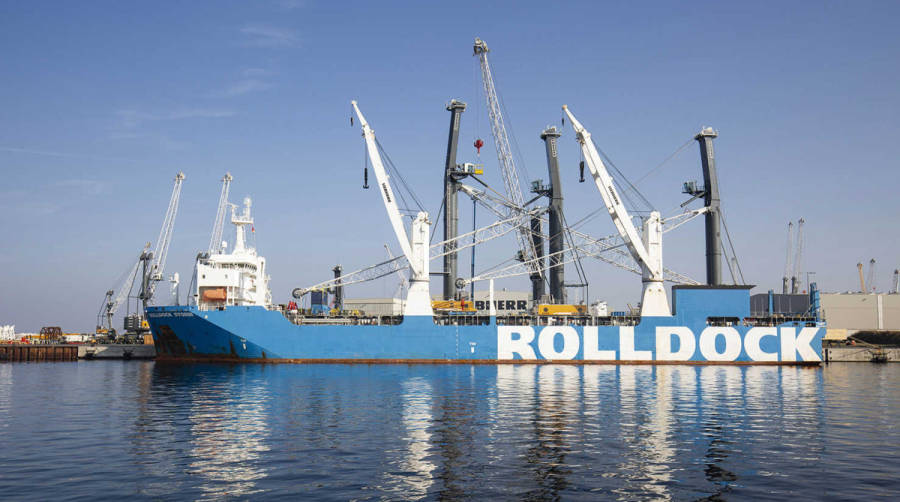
215 241
645 248
505 159
119 295
415 248
155 262
788 266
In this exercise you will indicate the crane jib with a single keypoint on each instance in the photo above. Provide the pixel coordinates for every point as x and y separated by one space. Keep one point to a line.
387 193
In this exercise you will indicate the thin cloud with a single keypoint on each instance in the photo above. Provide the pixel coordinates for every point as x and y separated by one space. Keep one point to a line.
63 154
245 86
261 35
86 186
291 4
132 118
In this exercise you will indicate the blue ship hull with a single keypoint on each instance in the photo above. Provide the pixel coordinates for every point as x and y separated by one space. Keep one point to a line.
689 336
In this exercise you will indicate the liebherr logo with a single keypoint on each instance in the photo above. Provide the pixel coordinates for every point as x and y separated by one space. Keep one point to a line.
612 192
387 193
671 343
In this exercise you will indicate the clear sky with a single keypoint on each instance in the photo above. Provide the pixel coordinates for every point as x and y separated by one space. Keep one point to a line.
103 102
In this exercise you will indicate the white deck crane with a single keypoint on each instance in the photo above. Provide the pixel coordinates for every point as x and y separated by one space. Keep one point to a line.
215 241
646 249
415 248
505 159
153 273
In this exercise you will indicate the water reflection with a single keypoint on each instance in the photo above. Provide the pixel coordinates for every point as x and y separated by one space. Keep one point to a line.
229 433
507 432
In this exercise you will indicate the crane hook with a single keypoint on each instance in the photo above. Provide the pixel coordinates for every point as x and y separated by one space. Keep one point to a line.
581 171
478 145
366 177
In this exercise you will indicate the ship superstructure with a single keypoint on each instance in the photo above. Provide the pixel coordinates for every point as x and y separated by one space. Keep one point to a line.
237 277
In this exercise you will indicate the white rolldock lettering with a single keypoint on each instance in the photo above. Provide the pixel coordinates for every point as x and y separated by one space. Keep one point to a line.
507 345
570 342
592 345
626 346
686 343
708 343
751 344
792 343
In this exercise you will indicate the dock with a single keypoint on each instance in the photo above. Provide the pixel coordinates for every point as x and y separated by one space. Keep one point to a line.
23 352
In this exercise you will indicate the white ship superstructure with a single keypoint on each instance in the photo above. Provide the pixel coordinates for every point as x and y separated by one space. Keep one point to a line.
236 278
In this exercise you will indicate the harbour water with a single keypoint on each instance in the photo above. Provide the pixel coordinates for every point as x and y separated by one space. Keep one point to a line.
142 430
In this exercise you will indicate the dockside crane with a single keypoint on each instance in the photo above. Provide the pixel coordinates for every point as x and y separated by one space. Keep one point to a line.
797 275
154 263
788 266
870 279
117 296
645 248
896 289
507 164
862 280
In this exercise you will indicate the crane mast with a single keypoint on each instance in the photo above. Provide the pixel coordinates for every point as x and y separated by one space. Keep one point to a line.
215 241
505 159
645 248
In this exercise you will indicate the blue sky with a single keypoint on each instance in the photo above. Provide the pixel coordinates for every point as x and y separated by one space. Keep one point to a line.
103 102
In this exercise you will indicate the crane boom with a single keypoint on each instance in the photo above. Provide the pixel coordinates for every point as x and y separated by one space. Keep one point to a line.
645 248
161 251
387 193
215 241
505 158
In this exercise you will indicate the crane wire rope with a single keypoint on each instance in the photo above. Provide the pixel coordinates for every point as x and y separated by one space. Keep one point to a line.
390 164
664 162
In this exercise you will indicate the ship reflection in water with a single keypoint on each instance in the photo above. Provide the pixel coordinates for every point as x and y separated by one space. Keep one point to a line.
534 432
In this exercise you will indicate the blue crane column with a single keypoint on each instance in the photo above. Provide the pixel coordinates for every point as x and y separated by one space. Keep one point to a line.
451 206
557 238
711 200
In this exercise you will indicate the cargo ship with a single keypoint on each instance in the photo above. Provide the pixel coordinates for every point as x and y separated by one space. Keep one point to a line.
231 316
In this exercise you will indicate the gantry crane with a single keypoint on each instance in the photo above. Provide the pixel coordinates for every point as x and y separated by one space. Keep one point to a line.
507 164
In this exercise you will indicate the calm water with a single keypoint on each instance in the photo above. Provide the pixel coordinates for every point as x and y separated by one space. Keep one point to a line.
142 430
